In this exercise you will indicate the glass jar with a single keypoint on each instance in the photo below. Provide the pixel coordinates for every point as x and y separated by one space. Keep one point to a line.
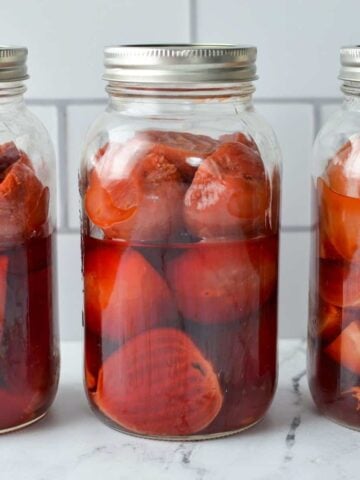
180 183
29 355
334 320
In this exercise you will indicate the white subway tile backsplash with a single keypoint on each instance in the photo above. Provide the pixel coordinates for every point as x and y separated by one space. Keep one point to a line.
298 40
79 119
294 127
69 286
66 38
294 281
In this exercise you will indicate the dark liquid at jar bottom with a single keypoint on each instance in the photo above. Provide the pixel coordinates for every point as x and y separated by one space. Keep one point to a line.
242 352
335 388
29 356
331 387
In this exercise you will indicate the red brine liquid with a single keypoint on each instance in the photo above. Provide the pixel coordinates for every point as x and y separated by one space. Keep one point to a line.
180 254
334 328
180 339
334 325
29 355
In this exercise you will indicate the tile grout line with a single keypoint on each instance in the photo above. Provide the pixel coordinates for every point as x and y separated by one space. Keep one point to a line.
63 166
64 102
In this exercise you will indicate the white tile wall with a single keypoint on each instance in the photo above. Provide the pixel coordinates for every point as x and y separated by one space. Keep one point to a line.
65 38
69 286
298 40
294 127
298 44
294 280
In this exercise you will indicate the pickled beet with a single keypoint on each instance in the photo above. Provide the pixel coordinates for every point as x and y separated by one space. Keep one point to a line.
124 294
223 282
24 201
240 346
229 195
184 150
334 328
342 173
3 290
145 204
339 220
153 359
29 357
180 258
29 354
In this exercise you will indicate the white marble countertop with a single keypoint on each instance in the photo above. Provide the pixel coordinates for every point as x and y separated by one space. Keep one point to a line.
293 442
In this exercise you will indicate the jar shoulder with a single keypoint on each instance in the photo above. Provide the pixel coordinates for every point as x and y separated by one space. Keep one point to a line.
21 126
341 127
121 126
19 119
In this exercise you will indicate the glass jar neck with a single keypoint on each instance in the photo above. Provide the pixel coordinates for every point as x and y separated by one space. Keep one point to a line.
11 93
171 99
351 102
350 88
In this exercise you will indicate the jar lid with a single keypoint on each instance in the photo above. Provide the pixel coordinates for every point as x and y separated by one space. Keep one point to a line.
350 63
13 63
180 64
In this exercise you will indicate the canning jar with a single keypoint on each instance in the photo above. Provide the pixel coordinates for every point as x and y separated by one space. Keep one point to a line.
29 357
180 184
334 320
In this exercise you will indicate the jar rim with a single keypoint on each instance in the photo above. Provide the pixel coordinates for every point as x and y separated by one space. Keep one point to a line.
13 63
180 63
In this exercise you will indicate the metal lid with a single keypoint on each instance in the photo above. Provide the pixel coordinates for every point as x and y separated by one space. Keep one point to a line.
180 64
13 63
350 63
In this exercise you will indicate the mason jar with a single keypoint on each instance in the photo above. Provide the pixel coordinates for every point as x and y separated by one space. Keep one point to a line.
334 323
29 354
180 184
